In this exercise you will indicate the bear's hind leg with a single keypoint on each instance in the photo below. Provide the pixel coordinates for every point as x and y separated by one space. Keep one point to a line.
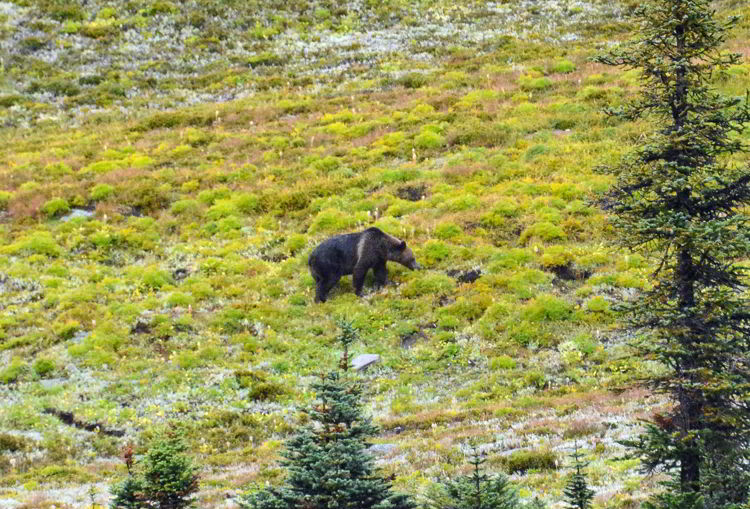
320 293
358 278
324 286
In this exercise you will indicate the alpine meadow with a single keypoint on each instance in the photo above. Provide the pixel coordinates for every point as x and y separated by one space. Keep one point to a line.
552 197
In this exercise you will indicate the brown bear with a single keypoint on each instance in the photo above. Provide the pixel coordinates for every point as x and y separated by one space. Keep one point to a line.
356 253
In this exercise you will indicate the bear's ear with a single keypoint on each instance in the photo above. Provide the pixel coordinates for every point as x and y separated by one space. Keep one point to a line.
401 245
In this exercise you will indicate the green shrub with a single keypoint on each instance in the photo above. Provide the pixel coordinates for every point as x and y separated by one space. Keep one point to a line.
544 231
502 362
597 304
56 207
222 208
44 367
5 197
447 231
531 83
102 167
556 256
248 203
106 13
585 343
523 332
67 330
433 252
563 66
547 308
476 133
102 192
13 443
32 43
179 299
154 278
334 220
502 209
6 101
185 207
40 243
521 462
593 93
466 201
230 223
413 80
261 387
11 373
58 169
295 243
535 151
492 322
429 284
428 140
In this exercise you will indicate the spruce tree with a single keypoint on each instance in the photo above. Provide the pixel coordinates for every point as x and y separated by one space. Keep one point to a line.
327 462
577 493
475 491
166 478
678 198
348 335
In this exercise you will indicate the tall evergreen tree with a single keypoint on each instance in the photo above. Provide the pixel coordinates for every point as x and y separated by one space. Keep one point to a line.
578 495
327 462
679 198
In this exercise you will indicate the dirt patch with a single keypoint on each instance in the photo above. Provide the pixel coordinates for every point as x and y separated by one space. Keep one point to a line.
69 419
274 257
180 274
570 272
140 327
465 276
412 193
411 339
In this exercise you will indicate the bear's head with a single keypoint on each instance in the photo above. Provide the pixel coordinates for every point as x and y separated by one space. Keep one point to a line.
403 255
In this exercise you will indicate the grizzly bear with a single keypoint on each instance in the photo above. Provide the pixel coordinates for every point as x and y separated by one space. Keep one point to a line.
356 253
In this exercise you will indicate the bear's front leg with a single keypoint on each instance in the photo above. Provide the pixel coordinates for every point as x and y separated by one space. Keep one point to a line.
381 275
358 278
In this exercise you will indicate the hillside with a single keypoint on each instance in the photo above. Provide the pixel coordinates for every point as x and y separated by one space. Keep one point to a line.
166 168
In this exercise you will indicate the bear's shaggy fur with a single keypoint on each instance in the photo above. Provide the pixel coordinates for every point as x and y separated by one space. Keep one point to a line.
356 253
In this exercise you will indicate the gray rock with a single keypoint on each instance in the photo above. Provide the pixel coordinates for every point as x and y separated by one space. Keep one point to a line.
77 213
382 449
365 360
51 382
80 336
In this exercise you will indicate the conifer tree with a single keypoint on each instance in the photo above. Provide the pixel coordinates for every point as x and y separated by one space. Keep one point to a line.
347 336
577 493
166 478
679 198
327 462
475 491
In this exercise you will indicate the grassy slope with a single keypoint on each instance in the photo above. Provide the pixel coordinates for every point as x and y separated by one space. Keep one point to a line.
186 297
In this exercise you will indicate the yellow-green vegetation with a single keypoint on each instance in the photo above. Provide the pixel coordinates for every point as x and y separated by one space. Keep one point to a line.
153 265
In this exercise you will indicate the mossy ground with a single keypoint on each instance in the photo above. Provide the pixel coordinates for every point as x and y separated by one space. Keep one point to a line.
179 291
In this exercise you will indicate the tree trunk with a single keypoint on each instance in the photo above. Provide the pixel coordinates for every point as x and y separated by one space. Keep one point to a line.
690 403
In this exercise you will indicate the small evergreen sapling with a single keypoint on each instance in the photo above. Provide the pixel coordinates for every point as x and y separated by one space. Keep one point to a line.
166 478
347 336
577 493
327 462
475 491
